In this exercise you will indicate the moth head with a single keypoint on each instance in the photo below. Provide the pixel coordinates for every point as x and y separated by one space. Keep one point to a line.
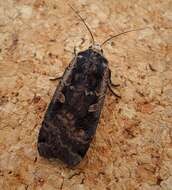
96 47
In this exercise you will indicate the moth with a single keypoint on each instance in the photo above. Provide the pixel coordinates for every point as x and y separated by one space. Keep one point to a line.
72 117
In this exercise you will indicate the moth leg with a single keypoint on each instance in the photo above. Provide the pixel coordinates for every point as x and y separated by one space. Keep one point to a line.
110 85
68 68
55 78
115 94
114 85
74 51
110 81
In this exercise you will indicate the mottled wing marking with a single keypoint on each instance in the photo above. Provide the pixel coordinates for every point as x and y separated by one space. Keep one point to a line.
58 95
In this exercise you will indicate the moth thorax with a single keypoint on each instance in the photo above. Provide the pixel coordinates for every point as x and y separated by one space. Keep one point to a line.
96 47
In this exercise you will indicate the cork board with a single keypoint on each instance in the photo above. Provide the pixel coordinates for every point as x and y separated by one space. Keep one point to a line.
132 149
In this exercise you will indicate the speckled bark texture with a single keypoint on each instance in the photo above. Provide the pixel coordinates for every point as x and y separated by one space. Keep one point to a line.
132 149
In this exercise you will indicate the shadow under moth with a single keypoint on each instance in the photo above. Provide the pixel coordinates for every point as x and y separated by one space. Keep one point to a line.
71 119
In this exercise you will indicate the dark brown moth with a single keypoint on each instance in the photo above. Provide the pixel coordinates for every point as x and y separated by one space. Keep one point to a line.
73 114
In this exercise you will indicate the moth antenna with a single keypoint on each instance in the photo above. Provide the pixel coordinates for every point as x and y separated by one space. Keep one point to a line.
83 22
110 38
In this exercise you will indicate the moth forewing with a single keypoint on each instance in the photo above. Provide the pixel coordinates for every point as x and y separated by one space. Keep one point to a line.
72 117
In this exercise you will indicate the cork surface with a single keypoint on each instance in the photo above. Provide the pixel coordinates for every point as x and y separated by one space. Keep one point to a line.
132 149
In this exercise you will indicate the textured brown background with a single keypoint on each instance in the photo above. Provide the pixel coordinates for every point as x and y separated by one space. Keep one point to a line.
133 145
